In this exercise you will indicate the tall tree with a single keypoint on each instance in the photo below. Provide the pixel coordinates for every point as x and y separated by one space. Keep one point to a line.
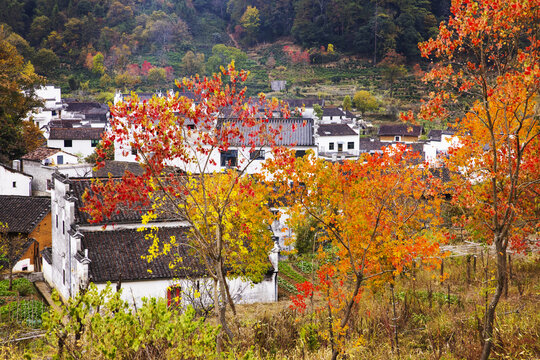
17 81
488 54
397 224
226 211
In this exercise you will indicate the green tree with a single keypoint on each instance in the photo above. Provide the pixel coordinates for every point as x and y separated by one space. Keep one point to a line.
40 28
318 110
251 21
156 76
97 64
17 82
46 61
347 104
193 63
364 101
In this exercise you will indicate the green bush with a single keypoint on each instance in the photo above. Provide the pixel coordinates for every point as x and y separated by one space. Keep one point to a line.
27 312
23 286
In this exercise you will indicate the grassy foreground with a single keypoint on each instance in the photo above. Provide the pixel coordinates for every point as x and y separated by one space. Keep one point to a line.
434 319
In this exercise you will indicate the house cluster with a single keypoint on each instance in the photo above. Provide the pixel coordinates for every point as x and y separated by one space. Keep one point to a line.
45 190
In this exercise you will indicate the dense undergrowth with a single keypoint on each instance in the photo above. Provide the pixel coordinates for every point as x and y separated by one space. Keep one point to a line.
435 318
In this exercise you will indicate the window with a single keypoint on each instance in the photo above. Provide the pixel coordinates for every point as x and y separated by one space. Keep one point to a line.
68 143
350 145
57 221
300 153
53 113
64 276
133 151
256 155
331 146
340 147
14 184
94 143
49 184
173 295
397 138
229 158
63 227
60 159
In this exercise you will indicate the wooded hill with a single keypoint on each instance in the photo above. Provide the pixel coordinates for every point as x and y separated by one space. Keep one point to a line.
143 43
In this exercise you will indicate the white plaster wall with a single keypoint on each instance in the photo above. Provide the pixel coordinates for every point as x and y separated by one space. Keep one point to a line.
323 143
62 247
80 147
47 273
23 183
431 148
21 265
242 292
42 173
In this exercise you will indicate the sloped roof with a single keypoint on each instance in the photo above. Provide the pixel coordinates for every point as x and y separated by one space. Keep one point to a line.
328 111
23 213
117 253
41 153
299 103
118 168
400 130
76 106
294 131
335 130
79 133
124 215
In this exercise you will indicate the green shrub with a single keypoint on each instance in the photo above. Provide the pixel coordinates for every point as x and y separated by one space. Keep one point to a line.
23 286
27 312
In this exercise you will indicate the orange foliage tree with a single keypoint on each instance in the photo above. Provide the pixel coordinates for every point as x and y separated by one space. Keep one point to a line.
380 214
488 68
177 141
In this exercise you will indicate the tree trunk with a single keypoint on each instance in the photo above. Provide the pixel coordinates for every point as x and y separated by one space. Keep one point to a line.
490 313
348 311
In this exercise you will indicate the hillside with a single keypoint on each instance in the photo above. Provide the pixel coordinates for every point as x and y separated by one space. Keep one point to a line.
97 46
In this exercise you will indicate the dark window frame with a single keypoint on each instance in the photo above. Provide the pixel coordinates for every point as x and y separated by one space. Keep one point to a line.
229 158
68 143
257 154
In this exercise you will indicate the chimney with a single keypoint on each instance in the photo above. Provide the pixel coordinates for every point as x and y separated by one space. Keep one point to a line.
17 165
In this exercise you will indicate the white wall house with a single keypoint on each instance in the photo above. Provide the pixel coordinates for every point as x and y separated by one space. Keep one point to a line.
337 141
14 182
439 142
296 133
52 107
44 161
82 252
81 141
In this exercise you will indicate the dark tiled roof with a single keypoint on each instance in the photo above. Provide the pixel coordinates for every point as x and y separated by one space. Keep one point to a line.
118 168
349 114
435 135
46 254
124 215
300 103
81 133
295 131
76 106
400 130
41 153
117 253
23 213
335 130
66 123
333 112
368 146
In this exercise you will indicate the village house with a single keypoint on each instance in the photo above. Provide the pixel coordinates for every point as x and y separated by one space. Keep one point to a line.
14 182
83 252
81 141
337 141
52 106
44 161
400 133
30 218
